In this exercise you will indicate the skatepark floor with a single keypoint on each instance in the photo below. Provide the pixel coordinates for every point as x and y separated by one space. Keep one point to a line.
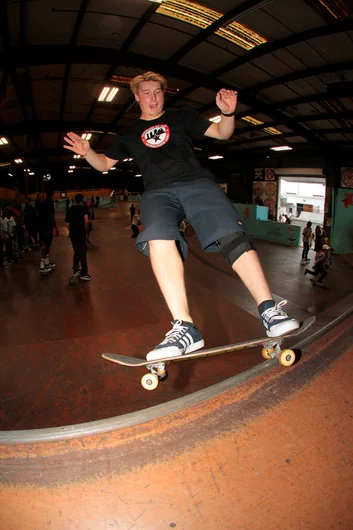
53 334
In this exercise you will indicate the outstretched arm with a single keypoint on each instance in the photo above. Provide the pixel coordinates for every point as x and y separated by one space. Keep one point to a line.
81 147
226 101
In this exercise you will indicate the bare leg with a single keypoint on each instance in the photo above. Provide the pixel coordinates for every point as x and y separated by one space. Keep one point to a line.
250 271
168 268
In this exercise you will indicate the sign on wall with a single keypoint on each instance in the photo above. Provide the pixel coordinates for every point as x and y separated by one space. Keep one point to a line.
347 177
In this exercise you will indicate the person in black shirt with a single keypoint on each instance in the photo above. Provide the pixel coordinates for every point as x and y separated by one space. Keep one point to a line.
46 224
178 187
132 212
77 222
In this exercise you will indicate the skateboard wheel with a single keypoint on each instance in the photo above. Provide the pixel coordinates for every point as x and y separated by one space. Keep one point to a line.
149 381
267 352
287 357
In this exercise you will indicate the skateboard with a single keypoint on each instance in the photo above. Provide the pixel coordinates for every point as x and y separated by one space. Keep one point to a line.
46 272
271 349
318 284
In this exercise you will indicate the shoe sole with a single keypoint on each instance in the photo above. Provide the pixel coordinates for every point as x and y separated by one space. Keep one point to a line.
285 332
159 356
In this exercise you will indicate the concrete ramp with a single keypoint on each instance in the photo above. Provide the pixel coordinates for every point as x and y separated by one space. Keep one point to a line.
268 449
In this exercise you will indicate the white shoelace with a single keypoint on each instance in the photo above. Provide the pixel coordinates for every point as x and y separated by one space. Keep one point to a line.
275 312
176 333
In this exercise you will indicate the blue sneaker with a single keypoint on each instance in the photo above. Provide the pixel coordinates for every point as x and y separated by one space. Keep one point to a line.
183 338
276 322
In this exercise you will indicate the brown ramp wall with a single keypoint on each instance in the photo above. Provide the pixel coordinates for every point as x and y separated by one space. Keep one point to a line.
274 452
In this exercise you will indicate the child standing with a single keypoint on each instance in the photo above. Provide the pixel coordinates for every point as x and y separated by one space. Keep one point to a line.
77 222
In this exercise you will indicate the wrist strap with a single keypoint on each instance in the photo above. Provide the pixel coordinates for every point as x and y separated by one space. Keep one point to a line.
228 115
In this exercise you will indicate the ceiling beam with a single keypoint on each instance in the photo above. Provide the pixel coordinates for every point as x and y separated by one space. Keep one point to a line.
302 74
72 45
340 26
125 47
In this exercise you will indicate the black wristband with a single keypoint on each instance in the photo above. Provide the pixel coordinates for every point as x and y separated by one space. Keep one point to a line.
228 115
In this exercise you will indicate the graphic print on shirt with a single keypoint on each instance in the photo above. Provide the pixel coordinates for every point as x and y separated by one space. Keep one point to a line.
156 136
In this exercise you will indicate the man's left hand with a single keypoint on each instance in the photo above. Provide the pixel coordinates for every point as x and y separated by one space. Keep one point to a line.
226 100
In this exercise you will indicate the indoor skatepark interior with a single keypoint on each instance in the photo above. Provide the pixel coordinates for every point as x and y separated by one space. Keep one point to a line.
224 442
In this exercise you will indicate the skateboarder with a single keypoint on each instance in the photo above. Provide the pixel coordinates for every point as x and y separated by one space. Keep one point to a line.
177 187
321 264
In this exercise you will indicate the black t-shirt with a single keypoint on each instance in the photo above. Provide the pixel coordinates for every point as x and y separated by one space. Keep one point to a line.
76 218
162 148
46 211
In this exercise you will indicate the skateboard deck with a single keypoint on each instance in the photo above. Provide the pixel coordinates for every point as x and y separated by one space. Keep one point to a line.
318 284
271 349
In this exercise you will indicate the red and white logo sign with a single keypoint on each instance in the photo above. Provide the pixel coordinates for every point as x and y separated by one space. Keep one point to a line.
156 136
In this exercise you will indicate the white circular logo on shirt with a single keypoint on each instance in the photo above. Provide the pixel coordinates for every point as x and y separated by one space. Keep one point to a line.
156 136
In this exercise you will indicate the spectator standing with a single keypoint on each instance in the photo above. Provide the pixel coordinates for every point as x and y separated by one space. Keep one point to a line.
77 222
46 224
319 238
97 201
132 212
307 237
134 225
30 221
2 241
10 237
37 202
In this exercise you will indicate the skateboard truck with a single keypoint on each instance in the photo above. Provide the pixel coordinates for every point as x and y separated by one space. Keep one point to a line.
272 350
157 373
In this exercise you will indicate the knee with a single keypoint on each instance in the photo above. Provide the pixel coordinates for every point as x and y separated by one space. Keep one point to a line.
234 245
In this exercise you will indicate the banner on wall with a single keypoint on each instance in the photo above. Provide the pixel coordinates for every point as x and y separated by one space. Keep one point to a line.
347 177
265 193
264 173
270 174
259 173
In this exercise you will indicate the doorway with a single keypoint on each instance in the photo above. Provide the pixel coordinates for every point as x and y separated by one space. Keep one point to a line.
302 199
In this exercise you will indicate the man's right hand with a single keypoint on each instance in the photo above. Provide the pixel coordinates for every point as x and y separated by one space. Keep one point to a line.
76 144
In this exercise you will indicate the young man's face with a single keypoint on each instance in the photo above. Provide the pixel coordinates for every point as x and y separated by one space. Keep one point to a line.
150 96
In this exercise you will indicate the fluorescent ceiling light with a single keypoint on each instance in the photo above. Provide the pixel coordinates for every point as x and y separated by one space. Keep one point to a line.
108 93
202 17
105 172
252 120
70 171
272 130
112 94
281 148
112 168
72 167
138 175
77 156
18 161
10 175
3 141
216 119
31 173
86 136
215 157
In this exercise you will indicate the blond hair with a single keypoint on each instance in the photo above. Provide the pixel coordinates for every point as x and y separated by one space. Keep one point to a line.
147 76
